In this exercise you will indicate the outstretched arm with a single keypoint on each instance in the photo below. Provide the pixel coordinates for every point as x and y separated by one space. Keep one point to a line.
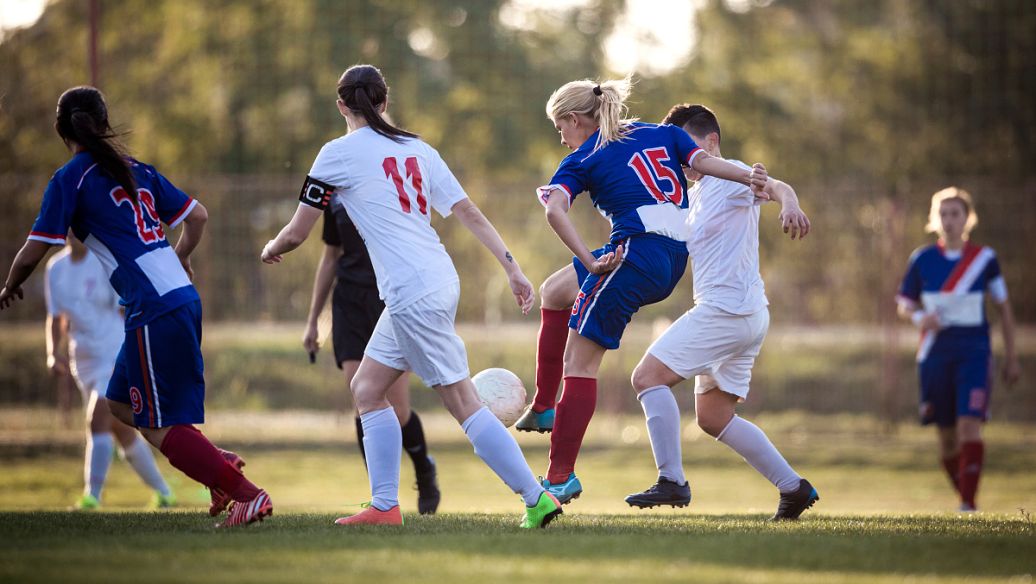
24 264
471 216
707 164
293 234
793 219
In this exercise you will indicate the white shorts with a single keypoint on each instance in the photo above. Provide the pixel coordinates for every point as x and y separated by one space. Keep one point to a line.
92 375
717 347
422 338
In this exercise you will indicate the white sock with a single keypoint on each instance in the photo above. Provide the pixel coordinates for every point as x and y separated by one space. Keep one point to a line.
142 460
750 442
498 449
99 450
383 444
663 424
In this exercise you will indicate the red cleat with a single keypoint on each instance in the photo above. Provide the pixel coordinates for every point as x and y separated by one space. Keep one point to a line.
220 499
373 516
245 512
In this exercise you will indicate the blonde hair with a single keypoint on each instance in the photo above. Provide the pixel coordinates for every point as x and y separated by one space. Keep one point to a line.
951 194
605 102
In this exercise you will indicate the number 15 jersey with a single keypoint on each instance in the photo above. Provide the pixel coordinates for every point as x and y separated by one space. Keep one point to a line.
125 233
389 188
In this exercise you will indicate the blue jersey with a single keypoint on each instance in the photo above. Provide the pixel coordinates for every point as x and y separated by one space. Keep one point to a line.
126 235
637 183
953 285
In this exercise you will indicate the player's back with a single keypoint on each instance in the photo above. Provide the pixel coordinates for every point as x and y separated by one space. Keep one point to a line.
389 189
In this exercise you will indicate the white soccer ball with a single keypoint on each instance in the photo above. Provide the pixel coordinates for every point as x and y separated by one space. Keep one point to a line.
502 392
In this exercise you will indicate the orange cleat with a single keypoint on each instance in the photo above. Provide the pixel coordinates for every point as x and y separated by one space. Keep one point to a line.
245 512
373 516
220 499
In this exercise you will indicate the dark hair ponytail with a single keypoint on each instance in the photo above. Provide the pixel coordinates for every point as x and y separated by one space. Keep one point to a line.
82 118
363 89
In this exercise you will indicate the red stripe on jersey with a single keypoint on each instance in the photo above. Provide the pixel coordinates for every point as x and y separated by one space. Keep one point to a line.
147 378
181 211
50 235
970 253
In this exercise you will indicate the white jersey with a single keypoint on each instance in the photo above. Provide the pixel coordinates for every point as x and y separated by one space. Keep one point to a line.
80 291
389 188
723 241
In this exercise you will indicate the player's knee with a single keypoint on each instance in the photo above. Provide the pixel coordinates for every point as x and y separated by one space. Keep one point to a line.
712 423
642 378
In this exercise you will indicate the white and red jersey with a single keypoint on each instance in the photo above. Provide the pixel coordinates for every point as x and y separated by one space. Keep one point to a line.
389 189
79 290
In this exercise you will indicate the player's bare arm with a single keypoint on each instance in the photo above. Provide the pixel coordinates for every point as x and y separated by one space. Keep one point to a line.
557 218
468 213
707 164
793 220
293 234
57 348
322 284
31 254
193 229
1012 371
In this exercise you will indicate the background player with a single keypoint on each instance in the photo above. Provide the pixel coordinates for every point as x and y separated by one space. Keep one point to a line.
355 309
718 340
83 309
120 208
633 173
943 293
389 180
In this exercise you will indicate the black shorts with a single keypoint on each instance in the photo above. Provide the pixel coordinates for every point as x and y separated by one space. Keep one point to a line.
354 312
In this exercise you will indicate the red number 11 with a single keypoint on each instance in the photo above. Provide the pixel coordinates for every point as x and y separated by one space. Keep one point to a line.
413 172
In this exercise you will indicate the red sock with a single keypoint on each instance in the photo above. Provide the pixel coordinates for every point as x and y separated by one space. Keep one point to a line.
571 418
190 451
550 356
952 466
971 454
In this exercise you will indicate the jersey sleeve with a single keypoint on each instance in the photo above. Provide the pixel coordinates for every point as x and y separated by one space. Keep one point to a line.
330 234
329 167
172 204
569 177
444 190
686 148
910 288
995 284
59 204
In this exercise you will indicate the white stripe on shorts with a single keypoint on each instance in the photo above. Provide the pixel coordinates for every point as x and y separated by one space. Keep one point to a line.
586 316
151 372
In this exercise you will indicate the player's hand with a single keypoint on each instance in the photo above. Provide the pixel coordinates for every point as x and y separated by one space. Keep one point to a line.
1012 372
9 295
310 338
757 181
930 322
269 258
607 262
794 221
521 287
58 366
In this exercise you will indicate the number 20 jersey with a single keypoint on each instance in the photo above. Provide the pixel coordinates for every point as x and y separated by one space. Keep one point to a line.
389 189
126 234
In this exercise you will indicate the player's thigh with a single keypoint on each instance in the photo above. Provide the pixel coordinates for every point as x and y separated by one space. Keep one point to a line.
559 290
938 394
583 356
371 384
973 382
384 347
427 337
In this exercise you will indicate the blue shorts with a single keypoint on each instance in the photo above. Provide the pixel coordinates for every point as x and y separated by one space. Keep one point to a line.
955 381
159 371
652 266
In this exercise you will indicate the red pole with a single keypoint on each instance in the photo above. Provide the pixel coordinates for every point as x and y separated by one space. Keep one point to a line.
95 62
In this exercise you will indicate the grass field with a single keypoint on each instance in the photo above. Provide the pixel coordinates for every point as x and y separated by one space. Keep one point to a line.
885 513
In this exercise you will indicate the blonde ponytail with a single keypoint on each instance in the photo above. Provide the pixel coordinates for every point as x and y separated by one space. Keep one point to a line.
605 102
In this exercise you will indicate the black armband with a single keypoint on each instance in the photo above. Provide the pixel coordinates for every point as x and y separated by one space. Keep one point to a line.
316 194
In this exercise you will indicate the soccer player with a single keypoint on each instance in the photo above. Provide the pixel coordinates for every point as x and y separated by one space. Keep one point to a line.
943 293
718 340
120 208
82 305
355 309
632 171
389 181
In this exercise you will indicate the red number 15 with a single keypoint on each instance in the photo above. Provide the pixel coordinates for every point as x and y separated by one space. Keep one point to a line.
413 172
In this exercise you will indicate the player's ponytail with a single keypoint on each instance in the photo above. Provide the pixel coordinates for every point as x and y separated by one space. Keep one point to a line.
605 102
82 118
363 90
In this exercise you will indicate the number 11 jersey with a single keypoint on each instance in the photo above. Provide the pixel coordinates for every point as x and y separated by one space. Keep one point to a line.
125 233
389 188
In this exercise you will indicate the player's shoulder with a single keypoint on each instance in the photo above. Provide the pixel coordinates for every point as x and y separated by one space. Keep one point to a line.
925 252
73 171
985 249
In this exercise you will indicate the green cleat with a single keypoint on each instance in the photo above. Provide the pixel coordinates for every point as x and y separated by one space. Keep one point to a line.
87 503
160 501
546 509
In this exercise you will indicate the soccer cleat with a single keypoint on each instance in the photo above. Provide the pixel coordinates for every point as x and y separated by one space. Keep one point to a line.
245 512
220 499
428 494
535 421
663 492
160 501
87 503
566 491
546 509
794 503
373 516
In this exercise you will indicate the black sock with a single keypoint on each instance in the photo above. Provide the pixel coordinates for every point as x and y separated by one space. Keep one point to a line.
359 440
414 444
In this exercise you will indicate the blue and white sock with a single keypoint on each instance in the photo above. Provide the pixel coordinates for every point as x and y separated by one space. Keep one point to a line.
383 445
498 449
663 424
99 450
750 442
142 460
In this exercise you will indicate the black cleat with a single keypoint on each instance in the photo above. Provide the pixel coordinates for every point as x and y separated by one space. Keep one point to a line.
664 492
428 494
535 421
794 503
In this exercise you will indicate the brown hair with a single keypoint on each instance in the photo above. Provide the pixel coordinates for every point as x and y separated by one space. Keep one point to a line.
82 118
362 88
